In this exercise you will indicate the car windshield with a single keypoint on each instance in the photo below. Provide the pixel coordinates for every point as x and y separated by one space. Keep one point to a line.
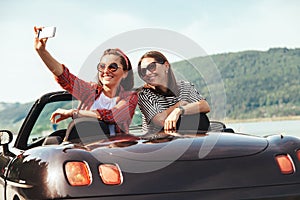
43 126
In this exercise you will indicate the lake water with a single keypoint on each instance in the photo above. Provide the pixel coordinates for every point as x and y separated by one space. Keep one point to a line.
285 127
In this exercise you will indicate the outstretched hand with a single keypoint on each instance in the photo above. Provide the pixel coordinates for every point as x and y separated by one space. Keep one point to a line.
61 114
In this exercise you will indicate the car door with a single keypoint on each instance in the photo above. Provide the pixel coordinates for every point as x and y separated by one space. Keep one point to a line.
34 129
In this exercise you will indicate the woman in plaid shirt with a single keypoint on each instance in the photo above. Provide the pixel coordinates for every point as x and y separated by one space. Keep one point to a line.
110 100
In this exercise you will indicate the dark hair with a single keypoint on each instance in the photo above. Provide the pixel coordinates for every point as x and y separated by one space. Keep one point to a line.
160 58
128 82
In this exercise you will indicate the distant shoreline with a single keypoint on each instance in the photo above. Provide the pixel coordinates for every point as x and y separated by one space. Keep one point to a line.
262 119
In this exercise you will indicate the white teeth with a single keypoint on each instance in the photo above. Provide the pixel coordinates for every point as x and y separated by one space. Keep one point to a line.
107 76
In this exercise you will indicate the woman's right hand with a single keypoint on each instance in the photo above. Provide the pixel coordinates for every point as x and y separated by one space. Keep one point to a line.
39 44
61 114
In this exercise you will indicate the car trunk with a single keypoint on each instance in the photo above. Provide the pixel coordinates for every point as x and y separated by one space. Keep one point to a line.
209 162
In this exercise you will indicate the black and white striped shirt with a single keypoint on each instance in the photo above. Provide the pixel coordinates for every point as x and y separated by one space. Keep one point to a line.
152 103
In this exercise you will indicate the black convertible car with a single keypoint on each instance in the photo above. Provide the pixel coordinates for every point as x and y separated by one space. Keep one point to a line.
76 161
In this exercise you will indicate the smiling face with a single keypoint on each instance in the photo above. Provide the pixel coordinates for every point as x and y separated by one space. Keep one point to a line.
157 76
106 76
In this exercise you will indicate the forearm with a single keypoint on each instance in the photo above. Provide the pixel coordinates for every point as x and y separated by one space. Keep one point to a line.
61 114
53 65
196 107
85 113
160 118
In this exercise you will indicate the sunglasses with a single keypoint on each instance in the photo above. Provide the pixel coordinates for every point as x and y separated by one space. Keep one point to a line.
151 68
111 68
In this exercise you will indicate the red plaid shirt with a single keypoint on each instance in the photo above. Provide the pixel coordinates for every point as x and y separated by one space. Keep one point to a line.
87 92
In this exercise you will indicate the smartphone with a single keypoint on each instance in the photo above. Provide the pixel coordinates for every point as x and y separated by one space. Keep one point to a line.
47 32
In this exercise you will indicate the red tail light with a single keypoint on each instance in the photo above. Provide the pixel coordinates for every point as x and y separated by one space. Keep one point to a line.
285 164
78 173
110 174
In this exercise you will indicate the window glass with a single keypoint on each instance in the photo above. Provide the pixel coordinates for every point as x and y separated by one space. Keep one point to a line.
43 125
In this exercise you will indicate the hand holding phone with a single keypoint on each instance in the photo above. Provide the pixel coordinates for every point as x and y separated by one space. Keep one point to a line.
47 32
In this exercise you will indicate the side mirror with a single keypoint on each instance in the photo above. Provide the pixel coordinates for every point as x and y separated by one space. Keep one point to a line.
5 137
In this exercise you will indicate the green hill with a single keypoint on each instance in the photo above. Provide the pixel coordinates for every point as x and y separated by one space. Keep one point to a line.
256 84
12 115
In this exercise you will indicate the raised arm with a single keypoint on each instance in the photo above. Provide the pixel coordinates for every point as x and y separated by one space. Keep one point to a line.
40 46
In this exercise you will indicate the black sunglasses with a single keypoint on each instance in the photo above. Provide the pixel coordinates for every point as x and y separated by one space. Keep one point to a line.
112 67
151 68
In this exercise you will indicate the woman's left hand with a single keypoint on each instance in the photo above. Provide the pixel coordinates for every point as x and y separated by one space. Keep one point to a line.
61 114
171 120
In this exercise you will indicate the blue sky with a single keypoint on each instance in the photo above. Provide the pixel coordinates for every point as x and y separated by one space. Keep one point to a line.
82 25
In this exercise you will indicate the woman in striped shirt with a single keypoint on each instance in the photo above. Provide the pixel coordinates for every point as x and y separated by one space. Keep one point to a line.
110 100
162 100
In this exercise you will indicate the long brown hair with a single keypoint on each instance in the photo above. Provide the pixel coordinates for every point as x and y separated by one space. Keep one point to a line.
160 58
128 82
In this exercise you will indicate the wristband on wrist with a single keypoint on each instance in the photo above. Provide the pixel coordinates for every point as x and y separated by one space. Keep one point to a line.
181 110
